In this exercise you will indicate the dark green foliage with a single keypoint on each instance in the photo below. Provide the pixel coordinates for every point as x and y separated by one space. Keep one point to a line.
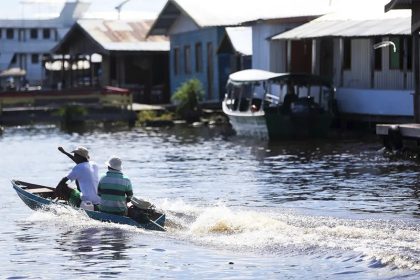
187 98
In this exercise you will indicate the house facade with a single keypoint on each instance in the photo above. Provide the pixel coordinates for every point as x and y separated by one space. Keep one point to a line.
193 55
272 55
368 57
415 27
196 31
25 42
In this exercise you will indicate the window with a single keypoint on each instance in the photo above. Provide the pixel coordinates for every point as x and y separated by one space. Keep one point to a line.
176 61
187 59
46 33
14 59
347 54
10 33
1 32
198 57
34 33
378 55
35 58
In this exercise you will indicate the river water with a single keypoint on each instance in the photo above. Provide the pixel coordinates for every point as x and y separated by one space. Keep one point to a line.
236 208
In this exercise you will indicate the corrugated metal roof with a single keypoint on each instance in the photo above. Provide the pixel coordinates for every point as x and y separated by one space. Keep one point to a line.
352 25
119 35
139 46
235 12
241 39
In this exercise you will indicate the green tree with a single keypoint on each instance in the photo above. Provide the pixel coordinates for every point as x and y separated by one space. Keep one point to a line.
187 98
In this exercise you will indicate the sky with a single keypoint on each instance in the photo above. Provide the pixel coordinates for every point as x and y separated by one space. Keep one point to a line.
133 9
29 9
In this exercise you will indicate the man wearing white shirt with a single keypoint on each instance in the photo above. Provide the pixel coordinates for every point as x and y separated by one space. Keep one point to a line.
85 173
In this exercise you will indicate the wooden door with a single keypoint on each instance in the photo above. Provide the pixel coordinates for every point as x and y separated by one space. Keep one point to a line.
301 56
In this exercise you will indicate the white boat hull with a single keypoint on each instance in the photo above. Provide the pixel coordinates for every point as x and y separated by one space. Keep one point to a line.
248 124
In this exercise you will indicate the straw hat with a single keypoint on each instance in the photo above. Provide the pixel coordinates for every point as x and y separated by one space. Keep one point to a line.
115 163
81 151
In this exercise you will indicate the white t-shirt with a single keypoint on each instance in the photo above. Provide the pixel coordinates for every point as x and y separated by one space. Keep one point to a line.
86 173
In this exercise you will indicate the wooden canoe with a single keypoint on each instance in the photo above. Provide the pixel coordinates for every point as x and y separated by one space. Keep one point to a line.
39 197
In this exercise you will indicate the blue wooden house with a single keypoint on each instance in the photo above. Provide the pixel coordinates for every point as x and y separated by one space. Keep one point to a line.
205 40
196 30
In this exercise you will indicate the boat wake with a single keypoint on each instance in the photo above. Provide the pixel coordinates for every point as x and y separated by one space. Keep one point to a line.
380 242
75 220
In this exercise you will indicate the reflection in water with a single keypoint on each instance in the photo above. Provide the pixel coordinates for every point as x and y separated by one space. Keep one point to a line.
95 243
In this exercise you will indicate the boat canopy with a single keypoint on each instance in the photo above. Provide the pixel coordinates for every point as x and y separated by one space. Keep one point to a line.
255 75
252 75
303 79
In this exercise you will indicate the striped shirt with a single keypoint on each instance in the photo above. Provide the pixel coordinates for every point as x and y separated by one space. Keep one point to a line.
115 191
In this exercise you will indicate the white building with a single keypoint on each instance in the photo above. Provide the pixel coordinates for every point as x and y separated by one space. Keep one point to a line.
24 42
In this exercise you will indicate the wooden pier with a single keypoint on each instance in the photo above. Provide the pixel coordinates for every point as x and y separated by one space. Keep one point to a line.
408 130
107 104
400 137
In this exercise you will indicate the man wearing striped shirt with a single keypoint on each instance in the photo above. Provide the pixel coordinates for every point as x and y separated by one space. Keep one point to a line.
114 189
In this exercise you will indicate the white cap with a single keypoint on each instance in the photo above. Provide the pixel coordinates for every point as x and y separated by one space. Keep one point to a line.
81 151
115 163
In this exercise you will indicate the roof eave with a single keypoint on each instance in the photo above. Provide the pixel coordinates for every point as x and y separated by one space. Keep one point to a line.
397 5
162 31
72 29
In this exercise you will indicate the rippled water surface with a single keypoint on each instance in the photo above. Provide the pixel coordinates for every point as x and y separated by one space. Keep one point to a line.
236 209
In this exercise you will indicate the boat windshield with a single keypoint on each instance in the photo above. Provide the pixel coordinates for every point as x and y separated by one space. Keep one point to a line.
245 96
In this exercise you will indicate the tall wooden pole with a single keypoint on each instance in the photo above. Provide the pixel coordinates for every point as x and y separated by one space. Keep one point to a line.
416 97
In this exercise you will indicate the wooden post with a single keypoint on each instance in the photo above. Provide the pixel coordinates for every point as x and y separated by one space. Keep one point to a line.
372 64
62 72
91 73
71 71
289 56
405 62
416 57
341 57
314 57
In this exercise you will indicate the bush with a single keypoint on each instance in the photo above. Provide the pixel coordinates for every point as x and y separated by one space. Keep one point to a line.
72 113
187 98
149 115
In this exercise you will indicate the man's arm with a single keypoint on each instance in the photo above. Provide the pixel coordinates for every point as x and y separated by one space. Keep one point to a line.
63 181
67 154
129 192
